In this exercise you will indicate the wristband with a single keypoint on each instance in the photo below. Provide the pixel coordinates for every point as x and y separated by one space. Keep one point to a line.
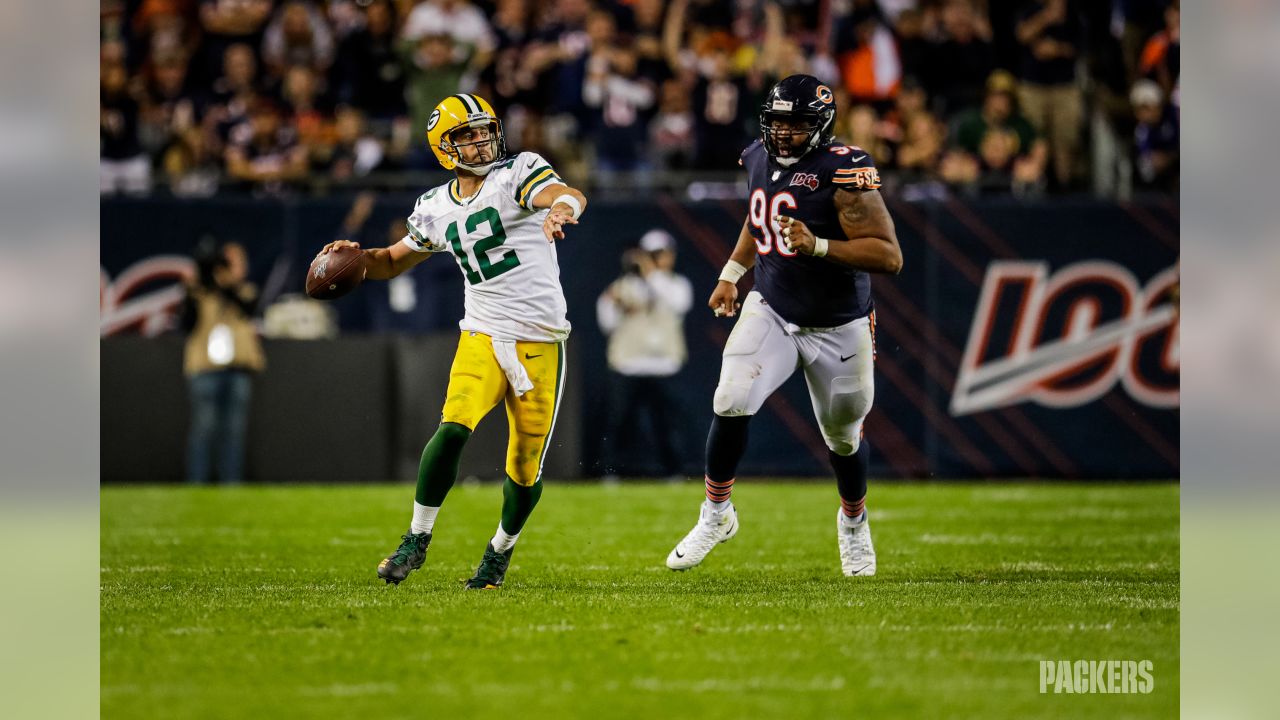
733 272
820 246
571 201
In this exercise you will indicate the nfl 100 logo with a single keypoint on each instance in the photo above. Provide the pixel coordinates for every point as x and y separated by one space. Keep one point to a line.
1063 339
809 180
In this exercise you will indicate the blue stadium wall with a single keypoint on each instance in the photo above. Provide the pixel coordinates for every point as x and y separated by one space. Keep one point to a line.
1021 339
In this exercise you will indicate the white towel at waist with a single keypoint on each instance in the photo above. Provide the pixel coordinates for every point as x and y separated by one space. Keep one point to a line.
509 361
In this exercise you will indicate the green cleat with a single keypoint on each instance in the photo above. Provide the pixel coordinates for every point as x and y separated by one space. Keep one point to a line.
407 558
492 570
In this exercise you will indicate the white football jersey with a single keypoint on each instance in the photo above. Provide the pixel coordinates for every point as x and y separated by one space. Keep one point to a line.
511 273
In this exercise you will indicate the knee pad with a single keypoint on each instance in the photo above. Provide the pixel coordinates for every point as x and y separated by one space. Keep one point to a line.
732 399
842 442
842 421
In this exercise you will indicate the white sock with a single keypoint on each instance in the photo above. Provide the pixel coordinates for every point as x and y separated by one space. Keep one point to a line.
849 522
719 507
424 518
503 542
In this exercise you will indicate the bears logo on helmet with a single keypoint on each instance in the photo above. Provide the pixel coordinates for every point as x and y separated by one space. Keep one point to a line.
798 104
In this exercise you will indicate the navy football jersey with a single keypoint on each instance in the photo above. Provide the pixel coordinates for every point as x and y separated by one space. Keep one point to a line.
805 290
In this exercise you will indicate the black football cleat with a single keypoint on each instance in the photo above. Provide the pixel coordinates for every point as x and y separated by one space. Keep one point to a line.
492 570
407 558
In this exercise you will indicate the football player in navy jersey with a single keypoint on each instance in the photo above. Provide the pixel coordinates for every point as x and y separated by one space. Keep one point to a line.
815 231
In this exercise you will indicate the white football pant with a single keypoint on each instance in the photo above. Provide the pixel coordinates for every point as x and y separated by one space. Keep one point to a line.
764 350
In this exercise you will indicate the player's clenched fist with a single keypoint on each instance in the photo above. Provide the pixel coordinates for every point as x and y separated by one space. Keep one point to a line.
796 235
724 299
553 226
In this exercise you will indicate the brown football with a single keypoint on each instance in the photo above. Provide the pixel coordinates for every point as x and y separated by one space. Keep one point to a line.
335 273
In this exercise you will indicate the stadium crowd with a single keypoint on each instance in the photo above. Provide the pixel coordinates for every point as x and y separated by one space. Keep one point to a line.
1021 96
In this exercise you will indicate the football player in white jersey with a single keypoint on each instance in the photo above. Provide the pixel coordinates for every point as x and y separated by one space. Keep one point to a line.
499 217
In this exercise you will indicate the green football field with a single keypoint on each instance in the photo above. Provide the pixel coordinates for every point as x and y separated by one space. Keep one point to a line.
263 603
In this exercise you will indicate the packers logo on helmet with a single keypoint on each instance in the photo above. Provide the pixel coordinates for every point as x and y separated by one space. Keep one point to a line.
461 112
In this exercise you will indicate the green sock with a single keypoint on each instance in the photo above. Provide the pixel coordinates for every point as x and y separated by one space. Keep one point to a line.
438 468
518 502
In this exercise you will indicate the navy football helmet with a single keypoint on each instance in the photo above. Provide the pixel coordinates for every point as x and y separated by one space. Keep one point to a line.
802 100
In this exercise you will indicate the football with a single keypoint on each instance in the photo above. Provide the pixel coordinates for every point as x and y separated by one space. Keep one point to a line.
335 273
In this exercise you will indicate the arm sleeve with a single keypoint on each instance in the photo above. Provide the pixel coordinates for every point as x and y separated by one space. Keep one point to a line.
533 173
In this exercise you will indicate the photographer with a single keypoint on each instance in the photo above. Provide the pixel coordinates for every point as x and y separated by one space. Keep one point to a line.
222 353
642 313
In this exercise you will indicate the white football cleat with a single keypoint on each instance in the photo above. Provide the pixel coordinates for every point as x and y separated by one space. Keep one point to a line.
712 529
857 555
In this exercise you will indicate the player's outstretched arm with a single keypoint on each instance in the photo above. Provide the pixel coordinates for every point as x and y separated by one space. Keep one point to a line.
382 263
870 243
567 205
724 298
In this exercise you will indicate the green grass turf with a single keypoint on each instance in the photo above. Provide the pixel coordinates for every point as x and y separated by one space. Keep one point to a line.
262 602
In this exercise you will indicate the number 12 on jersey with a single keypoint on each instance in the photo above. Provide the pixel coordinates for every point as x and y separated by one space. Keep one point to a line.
761 213
497 236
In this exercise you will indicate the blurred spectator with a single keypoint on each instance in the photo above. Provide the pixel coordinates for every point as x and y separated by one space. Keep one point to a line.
1049 34
721 101
465 25
368 72
554 57
960 58
781 55
297 35
918 154
620 99
1160 59
868 56
1155 138
168 108
222 354
354 153
914 47
238 77
507 81
162 28
911 101
648 16
671 140
1133 22
190 169
123 166
993 147
860 127
307 111
434 71
226 23
264 153
642 312
232 94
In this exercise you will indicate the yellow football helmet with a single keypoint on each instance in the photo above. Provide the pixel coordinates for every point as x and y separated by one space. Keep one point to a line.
464 111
